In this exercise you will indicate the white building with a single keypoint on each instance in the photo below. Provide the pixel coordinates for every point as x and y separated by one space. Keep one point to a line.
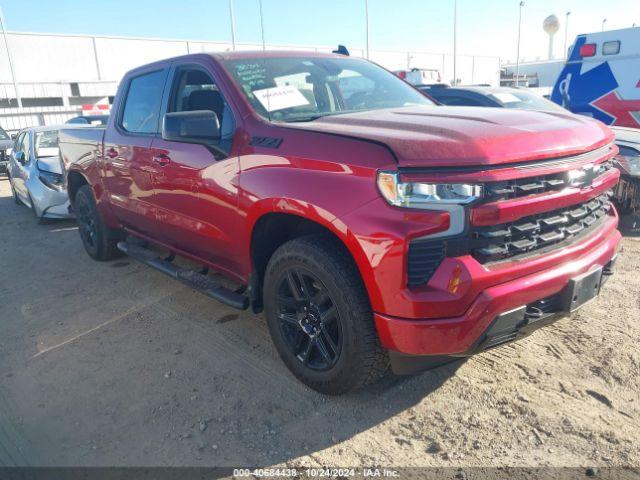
55 74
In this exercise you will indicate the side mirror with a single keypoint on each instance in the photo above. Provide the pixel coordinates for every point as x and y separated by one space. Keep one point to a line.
19 156
199 126
14 136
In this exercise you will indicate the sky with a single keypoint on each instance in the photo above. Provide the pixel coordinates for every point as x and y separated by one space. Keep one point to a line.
487 27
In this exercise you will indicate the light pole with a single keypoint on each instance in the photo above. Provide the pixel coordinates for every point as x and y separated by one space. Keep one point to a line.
455 42
13 73
233 25
264 45
518 54
566 32
604 20
366 18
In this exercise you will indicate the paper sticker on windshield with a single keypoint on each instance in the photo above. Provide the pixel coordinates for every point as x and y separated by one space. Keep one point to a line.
279 98
506 97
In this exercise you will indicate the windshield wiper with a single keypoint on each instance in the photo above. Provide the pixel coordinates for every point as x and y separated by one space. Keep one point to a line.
310 118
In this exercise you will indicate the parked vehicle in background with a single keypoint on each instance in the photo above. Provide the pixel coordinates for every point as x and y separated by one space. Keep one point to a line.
5 150
36 173
371 227
601 78
499 97
420 76
88 120
627 193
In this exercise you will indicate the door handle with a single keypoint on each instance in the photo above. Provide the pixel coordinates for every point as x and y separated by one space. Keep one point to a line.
162 160
112 153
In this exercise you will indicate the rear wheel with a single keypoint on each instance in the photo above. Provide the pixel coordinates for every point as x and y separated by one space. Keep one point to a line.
99 241
320 318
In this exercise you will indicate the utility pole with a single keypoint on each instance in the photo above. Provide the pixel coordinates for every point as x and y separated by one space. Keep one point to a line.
366 16
518 55
233 26
566 33
604 20
455 42
13 73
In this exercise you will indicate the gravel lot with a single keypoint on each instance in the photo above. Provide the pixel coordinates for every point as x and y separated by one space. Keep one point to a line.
115 364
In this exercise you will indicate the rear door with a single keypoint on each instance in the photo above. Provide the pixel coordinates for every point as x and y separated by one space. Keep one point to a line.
128 160
195 186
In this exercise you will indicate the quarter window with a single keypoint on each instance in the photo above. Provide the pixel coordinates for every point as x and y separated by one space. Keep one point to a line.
142 105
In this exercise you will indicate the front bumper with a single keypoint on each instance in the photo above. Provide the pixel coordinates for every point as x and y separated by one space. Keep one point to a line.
476 329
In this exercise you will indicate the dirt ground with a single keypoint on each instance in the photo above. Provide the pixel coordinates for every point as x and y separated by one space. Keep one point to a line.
115 364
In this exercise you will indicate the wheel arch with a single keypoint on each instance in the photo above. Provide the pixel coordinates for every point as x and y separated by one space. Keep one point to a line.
274 228
75 180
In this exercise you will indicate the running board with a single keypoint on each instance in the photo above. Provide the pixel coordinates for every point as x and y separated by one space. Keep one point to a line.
197 281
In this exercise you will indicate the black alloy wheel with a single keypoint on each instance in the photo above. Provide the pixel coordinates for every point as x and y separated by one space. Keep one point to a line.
309 319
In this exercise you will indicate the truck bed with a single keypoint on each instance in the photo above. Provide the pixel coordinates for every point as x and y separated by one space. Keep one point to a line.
81 143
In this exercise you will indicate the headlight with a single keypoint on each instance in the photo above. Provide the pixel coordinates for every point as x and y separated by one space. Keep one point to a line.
449 197
427 196
630 164
52 180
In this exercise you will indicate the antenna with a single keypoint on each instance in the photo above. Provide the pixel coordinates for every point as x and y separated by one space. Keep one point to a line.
262 25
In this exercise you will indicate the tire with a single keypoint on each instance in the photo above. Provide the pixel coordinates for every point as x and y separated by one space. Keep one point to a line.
320 318
99 241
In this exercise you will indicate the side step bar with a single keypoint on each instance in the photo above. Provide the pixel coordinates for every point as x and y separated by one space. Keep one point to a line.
195 280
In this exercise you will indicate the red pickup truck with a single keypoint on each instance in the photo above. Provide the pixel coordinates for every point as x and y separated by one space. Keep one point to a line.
372 226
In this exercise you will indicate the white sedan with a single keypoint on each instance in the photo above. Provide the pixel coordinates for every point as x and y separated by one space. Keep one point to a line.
36 173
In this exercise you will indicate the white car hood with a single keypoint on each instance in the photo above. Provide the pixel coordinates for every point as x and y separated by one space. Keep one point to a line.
49 164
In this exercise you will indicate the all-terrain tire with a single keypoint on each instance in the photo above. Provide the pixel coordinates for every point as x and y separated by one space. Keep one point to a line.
98 239
362 360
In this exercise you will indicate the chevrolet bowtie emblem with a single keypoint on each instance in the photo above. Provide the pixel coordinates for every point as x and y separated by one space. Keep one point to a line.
584 176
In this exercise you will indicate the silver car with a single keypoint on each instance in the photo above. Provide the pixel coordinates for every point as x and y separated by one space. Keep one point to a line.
5 150
36 173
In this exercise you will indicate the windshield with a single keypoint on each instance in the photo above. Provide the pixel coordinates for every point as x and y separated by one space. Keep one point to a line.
3 135
47 144
294 89
525 101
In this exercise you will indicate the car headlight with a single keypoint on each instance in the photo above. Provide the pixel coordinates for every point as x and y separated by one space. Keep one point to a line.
52 180
630 164
449 197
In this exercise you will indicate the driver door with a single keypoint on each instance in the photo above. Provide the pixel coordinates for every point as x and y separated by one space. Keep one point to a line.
196 187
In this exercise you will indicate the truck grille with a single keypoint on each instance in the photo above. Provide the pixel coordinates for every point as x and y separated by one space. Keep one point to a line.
538 232
544 183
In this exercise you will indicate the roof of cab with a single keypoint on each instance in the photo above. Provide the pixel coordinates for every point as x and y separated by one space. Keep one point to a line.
245 54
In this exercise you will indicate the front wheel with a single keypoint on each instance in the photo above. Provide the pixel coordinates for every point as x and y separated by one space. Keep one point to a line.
99 241
319 316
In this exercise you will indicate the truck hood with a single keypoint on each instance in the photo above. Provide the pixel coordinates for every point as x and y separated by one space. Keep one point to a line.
467 136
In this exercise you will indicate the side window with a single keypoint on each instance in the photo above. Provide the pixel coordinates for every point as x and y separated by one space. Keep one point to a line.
26 147
142 105
194 89
17 145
